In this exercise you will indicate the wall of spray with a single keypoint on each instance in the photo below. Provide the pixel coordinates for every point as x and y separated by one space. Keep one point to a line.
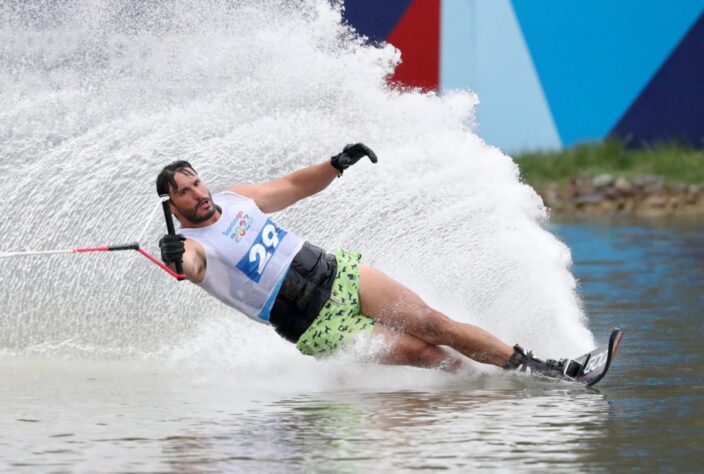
94 100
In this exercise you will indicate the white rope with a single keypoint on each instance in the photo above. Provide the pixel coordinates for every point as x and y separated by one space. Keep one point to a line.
34 252
25 253
162 199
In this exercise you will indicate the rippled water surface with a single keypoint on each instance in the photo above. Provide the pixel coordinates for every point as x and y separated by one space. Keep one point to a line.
67 415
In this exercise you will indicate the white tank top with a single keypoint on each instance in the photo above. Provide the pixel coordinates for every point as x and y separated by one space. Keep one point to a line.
247 255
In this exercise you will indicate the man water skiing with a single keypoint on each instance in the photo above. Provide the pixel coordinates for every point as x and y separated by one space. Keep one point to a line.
231 248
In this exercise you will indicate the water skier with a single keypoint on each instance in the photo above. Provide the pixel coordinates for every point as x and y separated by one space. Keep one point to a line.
231 248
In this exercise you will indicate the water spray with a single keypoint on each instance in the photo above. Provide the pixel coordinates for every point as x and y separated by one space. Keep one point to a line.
164 201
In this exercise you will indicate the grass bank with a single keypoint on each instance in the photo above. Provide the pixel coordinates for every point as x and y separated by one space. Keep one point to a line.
606 178
674 164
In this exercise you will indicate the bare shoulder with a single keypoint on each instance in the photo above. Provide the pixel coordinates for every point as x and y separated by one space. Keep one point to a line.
269 197
195 247
251 191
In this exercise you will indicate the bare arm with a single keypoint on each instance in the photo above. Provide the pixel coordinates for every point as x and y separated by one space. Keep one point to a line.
281 193
193 261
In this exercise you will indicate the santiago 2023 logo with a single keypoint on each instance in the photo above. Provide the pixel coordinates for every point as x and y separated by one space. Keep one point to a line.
238 227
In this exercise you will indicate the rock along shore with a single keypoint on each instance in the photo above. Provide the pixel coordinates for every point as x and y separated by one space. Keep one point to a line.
644 196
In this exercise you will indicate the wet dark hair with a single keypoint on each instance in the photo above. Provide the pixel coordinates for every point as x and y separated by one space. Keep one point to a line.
165 182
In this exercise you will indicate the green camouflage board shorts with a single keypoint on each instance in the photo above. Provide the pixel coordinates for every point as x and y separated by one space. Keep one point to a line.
340 321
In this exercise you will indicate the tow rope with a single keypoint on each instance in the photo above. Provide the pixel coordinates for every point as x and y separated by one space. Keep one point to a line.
178 274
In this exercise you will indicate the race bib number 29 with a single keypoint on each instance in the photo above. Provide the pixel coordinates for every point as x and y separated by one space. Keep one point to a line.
263 248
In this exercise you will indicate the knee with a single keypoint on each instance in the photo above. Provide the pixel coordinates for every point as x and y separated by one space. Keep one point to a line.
435 357
432 357
412 351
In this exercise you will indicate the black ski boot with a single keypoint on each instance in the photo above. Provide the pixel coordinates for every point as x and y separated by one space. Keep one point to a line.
559 369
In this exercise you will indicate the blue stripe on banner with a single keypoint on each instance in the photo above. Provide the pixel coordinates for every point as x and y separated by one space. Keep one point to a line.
458 44
483 49
594 58
373 18
672 105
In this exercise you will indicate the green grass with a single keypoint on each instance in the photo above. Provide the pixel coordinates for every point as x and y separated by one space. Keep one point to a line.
672 162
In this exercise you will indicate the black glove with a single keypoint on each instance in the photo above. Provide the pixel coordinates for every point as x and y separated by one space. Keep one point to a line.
172 248
350 155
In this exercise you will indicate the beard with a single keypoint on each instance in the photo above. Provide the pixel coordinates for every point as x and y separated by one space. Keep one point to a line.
192 216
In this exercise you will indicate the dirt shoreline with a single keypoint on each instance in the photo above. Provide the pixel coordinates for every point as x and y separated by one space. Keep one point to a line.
642 196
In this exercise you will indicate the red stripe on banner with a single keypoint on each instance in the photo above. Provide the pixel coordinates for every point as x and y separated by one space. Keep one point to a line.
417 35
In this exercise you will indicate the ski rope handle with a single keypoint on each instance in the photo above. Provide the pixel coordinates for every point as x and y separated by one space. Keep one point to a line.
171 231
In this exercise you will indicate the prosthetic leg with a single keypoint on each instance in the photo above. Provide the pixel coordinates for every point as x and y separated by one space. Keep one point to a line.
567 369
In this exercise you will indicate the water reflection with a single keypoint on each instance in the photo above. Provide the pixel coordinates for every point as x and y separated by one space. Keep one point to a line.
507 427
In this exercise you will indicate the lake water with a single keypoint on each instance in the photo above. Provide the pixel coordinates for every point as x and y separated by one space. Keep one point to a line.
63 414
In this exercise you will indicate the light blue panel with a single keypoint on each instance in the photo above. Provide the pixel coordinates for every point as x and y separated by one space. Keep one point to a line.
595 57
482 49
457 44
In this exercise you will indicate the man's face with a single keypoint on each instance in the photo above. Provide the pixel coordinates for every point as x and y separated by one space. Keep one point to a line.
191 201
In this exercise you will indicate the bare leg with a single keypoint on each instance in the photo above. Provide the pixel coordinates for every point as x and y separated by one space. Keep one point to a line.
396 306
404 349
